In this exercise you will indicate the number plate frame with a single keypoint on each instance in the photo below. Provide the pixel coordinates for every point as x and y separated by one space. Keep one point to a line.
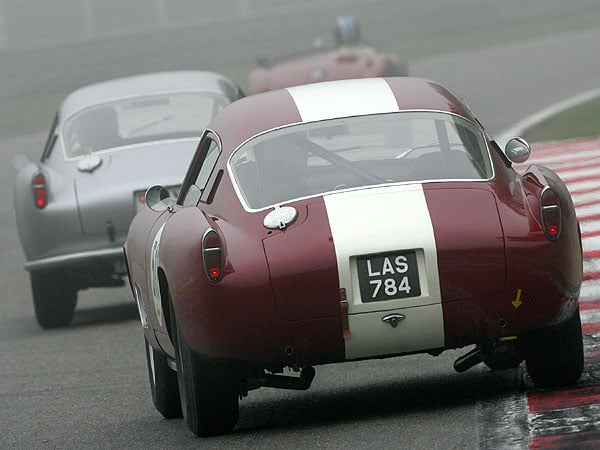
388 276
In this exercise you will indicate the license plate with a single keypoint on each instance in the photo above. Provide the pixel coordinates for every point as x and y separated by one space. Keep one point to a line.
387 276
140 196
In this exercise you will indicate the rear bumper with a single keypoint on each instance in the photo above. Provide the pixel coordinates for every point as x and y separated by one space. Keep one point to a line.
474 321
269 339
76 260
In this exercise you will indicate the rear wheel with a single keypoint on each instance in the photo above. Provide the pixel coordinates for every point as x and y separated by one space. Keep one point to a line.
505 357
163 384
208 392
554 356
54 298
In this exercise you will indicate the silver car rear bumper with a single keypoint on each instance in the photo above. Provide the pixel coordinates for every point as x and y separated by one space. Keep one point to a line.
77 259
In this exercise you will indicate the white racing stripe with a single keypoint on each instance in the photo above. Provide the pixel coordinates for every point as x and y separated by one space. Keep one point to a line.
332 99
377 220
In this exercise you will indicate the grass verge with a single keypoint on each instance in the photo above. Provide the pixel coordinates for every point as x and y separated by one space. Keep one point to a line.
579 122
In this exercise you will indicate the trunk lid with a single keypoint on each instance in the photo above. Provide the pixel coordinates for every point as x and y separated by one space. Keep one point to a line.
469 240
399 252
106 195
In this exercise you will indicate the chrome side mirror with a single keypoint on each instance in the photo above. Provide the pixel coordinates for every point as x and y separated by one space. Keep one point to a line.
517 150
158 199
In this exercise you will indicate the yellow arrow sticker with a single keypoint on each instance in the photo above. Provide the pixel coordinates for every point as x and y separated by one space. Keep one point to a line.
517 301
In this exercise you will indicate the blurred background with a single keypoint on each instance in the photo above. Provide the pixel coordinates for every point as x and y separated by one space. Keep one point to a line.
48 48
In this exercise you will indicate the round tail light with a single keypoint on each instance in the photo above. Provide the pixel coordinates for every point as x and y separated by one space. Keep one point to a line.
551 213
38 185
212 255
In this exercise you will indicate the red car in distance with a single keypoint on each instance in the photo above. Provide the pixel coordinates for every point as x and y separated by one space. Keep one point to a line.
349 59
350 220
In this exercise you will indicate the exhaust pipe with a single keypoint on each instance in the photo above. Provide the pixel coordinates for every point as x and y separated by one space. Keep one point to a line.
474 357
300 383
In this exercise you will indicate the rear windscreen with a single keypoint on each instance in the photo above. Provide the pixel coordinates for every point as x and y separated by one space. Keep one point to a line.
315 158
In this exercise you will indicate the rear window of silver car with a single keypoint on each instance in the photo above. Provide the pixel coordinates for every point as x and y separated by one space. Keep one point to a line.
310 159
136 120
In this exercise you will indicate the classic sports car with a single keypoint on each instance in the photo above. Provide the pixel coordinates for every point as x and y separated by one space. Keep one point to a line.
108 143
350 220
349 59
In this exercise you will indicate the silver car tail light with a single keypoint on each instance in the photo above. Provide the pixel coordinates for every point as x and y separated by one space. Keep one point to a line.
212 255
38 184
550 207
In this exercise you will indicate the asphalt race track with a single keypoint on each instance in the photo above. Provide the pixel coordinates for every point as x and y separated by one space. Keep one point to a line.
86 386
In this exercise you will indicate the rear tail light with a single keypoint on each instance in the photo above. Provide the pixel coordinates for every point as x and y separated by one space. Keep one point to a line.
550 206
38 183
212 255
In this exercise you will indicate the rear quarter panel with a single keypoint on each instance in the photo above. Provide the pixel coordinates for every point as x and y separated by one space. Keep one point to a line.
237 318
55 229
543 277
564 256
216 318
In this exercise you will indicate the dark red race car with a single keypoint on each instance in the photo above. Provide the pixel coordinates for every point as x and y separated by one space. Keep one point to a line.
350 58
350 220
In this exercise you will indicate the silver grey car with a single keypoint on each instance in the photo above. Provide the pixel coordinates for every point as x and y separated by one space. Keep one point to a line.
108 143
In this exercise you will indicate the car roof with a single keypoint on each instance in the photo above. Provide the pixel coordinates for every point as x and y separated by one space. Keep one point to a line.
137 85
258 113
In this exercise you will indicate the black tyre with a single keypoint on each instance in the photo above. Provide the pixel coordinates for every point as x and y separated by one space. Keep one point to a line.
54 298
554 356
504 358
163 384
208 392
